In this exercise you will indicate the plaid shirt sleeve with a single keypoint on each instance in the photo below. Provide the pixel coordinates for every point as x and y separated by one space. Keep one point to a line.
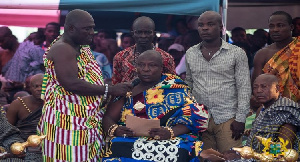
243 85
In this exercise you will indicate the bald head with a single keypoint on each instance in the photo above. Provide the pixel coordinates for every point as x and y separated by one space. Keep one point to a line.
36 78
266 89
36 82
149 67
76 16
21 94
213 14
269 78
151 55
143 21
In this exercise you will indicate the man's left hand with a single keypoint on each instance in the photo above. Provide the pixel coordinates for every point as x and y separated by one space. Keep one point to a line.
237 129
160 133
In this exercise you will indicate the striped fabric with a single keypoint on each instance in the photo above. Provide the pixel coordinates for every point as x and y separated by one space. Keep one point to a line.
285 64
222 84
269 121
71 122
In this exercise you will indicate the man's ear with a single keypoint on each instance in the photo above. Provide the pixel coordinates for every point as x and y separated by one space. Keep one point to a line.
222 28
277 87
292 27
71 28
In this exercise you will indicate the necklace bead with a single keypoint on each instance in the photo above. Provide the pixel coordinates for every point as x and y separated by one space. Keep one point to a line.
24 105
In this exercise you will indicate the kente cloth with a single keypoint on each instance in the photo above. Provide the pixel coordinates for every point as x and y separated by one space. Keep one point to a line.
270 120
28 125
171 102
72 123
27 61
124 64
285 64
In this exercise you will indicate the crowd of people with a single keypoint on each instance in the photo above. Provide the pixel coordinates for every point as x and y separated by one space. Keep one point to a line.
79 87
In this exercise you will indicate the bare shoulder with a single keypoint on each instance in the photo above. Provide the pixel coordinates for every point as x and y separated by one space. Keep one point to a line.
27 99
15 105
266 53
60 49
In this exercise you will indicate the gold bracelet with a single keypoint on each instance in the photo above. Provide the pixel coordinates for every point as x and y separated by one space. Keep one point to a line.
109 129
112 130
171 131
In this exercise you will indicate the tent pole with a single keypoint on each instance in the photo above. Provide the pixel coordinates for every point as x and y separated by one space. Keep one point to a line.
224 17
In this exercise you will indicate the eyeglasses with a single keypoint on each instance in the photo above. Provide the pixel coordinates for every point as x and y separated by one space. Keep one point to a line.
141 32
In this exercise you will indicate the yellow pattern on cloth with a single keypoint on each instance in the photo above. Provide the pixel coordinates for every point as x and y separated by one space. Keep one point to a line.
72 122
285 64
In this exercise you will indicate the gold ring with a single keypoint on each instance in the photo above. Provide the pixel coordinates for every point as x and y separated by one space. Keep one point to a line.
157 137
128 94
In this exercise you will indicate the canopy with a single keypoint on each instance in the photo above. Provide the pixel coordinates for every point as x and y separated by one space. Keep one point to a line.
178 7
112 13
28 17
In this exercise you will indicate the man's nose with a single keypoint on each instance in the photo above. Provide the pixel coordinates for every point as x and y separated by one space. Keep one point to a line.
276 28
205 27
143 34
146 68
92 31
259 89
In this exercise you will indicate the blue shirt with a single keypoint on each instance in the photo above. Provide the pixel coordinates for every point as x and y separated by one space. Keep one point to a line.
27 61
104 64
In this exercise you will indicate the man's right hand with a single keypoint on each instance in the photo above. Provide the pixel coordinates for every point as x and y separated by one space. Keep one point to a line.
123 131
120 89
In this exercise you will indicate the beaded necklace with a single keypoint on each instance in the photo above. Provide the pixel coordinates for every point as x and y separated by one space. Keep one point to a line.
135 55
25 105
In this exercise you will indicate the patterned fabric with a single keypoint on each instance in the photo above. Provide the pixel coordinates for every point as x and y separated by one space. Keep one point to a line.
27 61
285 64
8 133
104 64
171 97
124 64
269 121
71 122
12 160
28 125
222 84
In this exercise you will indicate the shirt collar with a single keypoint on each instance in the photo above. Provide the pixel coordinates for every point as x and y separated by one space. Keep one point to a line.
224 45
